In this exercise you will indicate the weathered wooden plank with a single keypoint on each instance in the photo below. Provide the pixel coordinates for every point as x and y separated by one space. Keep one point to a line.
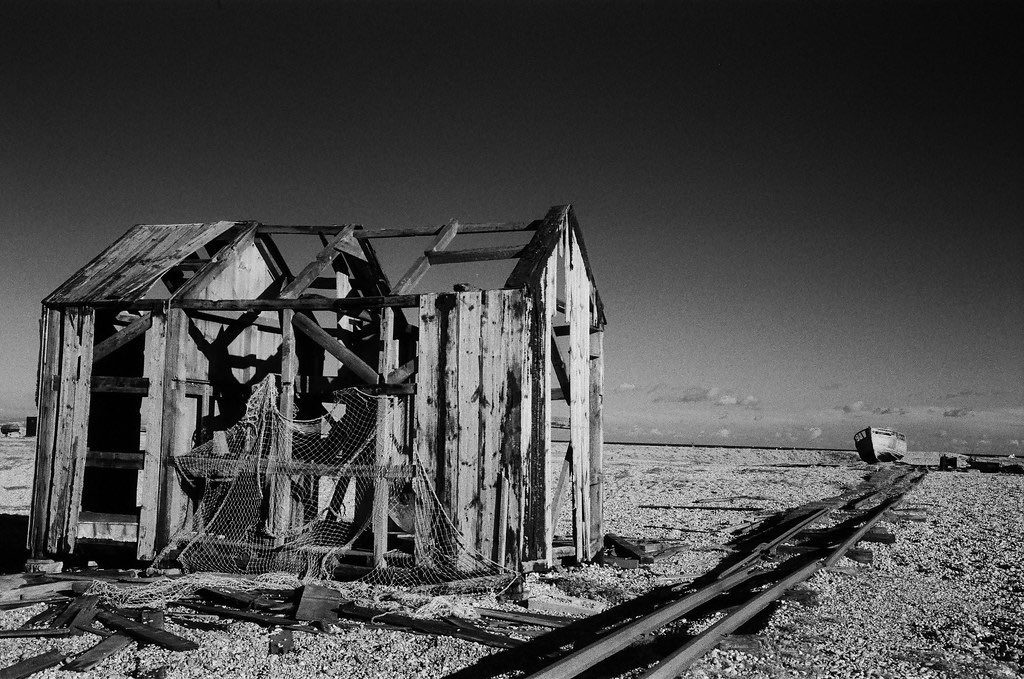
596 431
176 432
469 385
280 508
578 315
599 320
146 633
313 270
134 262
93 656
225 257
122 337
80 424
311 329
147 494
385 449
537 511
492 401
539 249
525 474
542 392
419 267
48 397
428 405
29 666
401 232
450 414
474 254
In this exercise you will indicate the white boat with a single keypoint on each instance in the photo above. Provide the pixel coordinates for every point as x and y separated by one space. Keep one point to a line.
875 445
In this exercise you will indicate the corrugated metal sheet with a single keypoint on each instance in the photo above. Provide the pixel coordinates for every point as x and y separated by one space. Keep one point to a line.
130 266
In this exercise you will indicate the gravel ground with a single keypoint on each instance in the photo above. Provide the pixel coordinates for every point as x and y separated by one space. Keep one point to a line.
943 601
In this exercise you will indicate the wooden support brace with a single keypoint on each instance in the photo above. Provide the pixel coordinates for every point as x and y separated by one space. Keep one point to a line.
122 337
311 329
419 268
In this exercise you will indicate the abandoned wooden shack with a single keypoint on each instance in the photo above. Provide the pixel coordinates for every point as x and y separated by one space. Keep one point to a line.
154 346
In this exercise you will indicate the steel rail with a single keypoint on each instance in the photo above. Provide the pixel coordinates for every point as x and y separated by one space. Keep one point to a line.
674 664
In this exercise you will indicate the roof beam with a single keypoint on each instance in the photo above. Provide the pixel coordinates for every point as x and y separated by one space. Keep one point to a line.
475 254
402 232
419 268
535 254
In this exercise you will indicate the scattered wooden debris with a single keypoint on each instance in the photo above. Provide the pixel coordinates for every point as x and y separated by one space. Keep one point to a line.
564 605
30 666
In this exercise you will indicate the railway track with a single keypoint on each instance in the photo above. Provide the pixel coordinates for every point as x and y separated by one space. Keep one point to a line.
640 632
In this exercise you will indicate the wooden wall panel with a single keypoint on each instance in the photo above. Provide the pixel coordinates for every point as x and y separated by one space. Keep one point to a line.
469 414
577 310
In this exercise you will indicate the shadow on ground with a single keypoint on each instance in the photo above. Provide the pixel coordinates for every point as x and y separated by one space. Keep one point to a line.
13 532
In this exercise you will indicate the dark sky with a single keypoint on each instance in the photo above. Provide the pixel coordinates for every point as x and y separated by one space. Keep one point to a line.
812 208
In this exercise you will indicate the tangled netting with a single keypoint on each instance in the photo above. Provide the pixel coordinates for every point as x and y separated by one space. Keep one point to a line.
293 500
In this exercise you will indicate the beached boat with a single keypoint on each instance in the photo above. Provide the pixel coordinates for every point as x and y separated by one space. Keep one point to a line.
880 445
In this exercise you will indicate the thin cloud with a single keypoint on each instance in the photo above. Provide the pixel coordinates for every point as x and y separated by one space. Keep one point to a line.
626 386
723 432
855 407
957 412
691 395
814 432
832 386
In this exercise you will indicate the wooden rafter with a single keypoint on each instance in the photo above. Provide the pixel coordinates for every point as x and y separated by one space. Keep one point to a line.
419 268
475 254
312 270
536 253
122 337
219 262
366 234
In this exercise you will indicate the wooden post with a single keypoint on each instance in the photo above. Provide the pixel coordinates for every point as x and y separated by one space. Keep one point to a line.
48 400
596 442
385 450
469 444
577 309
72 424
280 506
492 401
427 413
147 494
175 432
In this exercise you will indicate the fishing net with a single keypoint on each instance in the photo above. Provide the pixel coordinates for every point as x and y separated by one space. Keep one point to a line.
283 495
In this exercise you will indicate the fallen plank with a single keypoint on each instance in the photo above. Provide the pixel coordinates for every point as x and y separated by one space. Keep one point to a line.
706 508
79 613
566 605
627 548
43 617
264 619
461 630
244 600
538 619
24 633
30 666
93 656
317 602
620 562
35 591
146 633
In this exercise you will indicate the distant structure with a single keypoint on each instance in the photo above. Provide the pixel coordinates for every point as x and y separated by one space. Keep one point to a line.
154 347
11 430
